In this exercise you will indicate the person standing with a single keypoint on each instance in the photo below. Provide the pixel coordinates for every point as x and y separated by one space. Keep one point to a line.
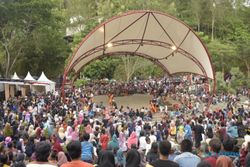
198 132
104 139
188 131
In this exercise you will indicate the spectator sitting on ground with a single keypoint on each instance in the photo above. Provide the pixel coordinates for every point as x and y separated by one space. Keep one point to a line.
214 148
187 158
87 149
42 151
164 150
75 152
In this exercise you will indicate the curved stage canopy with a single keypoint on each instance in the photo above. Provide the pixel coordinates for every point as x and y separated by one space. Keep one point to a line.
161 38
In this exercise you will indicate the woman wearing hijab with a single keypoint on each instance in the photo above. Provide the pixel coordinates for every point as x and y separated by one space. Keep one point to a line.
132 140
56 144
120 158
104 139
68 134
31 131
74 134
7 131
107 159
133 158
38 134
61 135
122 141
153 154
113 144
88 129
62 159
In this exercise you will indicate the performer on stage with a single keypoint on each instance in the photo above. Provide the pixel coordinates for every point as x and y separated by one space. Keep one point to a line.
153 106
111 99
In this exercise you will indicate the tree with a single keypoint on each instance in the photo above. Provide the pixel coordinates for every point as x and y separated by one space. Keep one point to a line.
31 37
222 54
221 85
131 65
100 69
238 78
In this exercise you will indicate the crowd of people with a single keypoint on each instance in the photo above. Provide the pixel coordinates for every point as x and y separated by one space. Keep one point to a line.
48 131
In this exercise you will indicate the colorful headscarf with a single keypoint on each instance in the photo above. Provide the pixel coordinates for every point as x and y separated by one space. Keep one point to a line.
7 140
122 141
113 144
132 140
62 159
61 133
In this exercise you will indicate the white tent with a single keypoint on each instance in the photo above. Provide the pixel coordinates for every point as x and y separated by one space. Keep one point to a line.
49 85
29 77
15 77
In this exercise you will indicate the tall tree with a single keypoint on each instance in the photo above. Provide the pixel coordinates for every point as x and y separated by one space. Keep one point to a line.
31 29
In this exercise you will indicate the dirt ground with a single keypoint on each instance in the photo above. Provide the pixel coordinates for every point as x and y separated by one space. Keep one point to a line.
134 101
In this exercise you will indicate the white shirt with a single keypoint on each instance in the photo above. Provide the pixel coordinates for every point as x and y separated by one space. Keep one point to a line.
152 138
143 143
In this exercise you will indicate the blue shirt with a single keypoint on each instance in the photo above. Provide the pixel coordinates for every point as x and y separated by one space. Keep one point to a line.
87 151
188 132
187 159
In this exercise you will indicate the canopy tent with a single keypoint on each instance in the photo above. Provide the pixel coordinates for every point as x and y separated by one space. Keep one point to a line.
15 77
49 85
22 87
43 78
159 37
29 77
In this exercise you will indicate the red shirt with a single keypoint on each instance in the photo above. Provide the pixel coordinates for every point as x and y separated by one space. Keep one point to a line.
77 163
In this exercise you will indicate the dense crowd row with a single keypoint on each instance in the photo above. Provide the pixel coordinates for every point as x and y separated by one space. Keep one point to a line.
45 131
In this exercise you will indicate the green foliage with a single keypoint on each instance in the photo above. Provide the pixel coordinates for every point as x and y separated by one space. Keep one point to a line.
238 79
80 82
220 83
31 37
222 54
100 69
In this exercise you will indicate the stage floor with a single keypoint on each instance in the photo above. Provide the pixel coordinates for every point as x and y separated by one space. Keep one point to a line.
135 101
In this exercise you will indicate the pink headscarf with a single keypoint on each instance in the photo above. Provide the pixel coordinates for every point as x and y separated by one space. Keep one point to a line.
132 140
68 133
62 159
74 136
80 118
8 140
88 129
122 141
75 122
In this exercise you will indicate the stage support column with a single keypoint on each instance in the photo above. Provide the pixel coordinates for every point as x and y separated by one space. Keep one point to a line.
12 91
23 91
7 91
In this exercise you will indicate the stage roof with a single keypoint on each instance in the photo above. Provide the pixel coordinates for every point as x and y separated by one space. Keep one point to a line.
159 37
